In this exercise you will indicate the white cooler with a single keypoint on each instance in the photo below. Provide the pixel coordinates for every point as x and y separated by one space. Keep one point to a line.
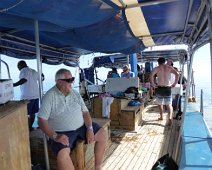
6 90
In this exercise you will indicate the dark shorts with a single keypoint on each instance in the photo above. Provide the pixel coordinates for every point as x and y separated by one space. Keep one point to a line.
161 91
80 133
163 95
33 106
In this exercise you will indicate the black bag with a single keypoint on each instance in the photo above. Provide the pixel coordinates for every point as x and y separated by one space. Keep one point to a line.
165 163
132 90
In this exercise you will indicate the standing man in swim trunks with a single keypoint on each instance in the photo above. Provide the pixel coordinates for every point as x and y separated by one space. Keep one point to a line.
164 85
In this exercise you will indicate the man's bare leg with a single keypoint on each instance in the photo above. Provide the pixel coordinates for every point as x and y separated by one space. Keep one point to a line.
170 112
160 111
64 161
99 149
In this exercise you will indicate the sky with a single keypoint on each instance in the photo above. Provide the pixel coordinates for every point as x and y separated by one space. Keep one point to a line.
201 63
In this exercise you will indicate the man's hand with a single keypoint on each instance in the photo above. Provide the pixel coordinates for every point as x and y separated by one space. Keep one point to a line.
61 138
90 136
173 85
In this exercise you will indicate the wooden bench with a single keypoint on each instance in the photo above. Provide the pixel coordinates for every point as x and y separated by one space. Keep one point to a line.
82 155
122 116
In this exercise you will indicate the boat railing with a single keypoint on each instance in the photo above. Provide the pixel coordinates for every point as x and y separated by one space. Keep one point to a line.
201 102
8 70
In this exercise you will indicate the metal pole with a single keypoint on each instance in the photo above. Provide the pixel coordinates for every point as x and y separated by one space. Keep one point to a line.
188 84
8 69
181 80
133 63
0 67
128 60
188 62
40 86
191 54
201 102
192 83
209 15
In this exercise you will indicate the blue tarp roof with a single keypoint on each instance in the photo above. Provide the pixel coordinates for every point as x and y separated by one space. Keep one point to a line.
71 28
119 60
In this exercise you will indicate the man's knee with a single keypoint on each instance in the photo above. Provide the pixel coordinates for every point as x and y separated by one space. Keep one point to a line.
63 154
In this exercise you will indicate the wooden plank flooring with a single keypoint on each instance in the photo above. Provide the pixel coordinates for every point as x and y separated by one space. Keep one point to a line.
140 149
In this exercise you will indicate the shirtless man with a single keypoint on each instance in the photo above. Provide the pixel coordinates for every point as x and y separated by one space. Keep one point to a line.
164 85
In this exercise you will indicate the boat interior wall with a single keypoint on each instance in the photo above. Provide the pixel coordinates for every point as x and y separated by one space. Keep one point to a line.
114 85
103 26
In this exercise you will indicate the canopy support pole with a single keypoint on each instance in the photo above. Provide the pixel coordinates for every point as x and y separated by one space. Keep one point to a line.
191 56
181 80
128 59
40 86
133 63
209 15
0 67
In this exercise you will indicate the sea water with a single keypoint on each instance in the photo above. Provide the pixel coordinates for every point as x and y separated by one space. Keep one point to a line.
207 101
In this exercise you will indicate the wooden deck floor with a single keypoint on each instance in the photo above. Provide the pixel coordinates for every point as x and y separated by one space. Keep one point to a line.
140 149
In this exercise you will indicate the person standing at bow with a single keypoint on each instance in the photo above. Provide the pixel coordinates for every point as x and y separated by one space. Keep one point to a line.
164 85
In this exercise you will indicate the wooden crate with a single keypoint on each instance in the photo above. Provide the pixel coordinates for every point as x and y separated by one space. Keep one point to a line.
14 135
122 116
115 108
131 117
97 107
82 156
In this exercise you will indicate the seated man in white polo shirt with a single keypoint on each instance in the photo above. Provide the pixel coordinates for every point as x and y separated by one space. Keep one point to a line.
64 118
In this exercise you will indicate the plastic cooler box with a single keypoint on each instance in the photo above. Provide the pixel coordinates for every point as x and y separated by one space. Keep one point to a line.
6 90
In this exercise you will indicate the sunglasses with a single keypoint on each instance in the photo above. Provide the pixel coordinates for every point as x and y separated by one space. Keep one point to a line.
70 80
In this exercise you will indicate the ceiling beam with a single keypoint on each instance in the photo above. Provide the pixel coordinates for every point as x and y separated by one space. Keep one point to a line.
187 19
162 34
149 3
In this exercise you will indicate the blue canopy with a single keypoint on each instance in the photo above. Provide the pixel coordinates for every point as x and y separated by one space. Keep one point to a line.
71 28
119 60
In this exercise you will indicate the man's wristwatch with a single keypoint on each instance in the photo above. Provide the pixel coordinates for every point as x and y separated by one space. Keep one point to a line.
89 127
54 136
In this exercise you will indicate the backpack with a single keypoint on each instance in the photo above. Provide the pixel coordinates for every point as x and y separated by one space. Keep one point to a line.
165 163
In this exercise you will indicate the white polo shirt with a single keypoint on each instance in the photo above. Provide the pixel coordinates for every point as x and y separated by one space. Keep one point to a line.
64 113
30 89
